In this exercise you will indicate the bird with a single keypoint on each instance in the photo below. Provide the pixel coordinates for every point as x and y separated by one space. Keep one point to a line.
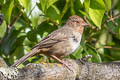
59 43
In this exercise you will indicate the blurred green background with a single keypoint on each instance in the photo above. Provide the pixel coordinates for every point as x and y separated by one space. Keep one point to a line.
26 22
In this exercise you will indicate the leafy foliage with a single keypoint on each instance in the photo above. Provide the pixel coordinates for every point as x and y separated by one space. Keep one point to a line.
26 22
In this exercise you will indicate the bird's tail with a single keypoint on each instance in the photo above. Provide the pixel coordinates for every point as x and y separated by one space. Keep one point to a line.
25 57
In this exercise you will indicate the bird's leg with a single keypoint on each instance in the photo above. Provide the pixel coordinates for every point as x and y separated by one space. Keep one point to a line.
62 62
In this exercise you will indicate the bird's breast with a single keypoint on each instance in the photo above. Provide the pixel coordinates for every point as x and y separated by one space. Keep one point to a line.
75 42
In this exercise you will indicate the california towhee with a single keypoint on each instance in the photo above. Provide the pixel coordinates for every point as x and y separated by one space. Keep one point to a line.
61 42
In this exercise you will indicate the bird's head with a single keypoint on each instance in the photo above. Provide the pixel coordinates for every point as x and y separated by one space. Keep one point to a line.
77 23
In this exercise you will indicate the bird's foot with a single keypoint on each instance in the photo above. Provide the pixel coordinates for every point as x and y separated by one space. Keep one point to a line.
69 66
85 58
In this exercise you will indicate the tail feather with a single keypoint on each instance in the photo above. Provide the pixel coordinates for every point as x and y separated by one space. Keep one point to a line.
25 57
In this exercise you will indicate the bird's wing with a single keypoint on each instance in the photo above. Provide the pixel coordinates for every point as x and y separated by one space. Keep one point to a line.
53 38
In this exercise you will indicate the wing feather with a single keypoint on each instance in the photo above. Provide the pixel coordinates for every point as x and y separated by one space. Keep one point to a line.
55 37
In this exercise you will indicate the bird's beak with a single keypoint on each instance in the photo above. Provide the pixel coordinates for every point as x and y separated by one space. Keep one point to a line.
84 24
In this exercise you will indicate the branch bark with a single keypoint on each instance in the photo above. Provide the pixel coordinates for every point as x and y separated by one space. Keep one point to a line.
55 71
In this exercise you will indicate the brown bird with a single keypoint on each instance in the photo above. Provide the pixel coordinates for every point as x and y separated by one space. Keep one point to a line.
61 42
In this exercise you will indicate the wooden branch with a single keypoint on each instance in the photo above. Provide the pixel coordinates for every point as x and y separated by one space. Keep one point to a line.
56 71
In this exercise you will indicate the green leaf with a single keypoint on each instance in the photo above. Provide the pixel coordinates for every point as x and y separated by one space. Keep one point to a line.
45 28
17 54
72 7
50 2
34 21
96 11
82 1
8 44
95 56
78 53
1 2
87 4
53 13
2 29
12 41
107 5
83 13
77 5
26 4
31 35
42 5
7 10
45 4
